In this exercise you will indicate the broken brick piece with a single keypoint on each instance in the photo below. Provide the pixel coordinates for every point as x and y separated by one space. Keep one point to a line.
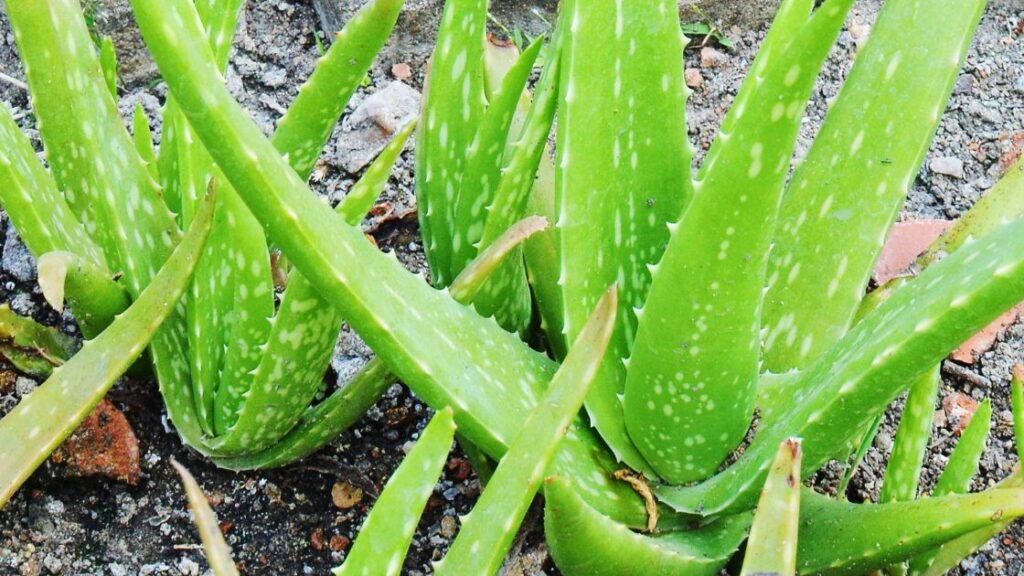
103 445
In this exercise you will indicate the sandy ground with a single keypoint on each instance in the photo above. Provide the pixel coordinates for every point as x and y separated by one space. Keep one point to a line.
284 521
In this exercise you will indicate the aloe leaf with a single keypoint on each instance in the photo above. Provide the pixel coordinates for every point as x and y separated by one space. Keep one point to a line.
454 103
692 379
963 462
1003 203
846 193
843 538
361 198
43 419
541 255
216 550
303 131
507 295
865 444
474 277
904 468
579 536
142 135
484 158
31 347
771 548
108 63
622 173
387 532
904 337
946 557
320 424
90 291
487 532
37 209
424 337
87 146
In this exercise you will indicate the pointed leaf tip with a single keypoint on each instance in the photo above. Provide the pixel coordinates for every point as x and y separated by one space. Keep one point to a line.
217 552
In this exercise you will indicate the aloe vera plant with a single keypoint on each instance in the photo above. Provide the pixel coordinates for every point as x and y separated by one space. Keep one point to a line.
713 319
237 376
741 287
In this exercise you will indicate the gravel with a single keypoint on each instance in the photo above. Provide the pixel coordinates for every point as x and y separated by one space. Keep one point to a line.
284 521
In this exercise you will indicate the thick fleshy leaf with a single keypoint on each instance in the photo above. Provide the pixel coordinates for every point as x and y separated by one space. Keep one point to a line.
108 62
904 468
443 350
904 337
142 135
454 104
963 462
43 419
623 173
771 548
216 550
1017 401
841 538
845 195
692 379
387 532
946 557
487 532
585 542
90 291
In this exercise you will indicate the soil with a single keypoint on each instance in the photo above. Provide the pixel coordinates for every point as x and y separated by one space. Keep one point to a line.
285 521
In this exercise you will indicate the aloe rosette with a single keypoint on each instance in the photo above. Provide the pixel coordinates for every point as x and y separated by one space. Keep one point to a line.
741 288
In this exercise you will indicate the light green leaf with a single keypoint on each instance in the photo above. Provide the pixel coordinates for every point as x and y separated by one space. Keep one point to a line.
692 379
904 468
771 548
844 197
90 291
31 347
387 532
623 173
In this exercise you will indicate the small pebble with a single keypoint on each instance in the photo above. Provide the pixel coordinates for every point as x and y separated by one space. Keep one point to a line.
948 166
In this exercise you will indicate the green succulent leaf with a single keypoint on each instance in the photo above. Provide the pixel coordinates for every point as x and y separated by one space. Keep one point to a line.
387 532
692 379
579 538
904 468
454 105
844 197
31 347
1017 402
421 333
771 548
865 444
622 173
948 555
90 291
108 62
43 419
842 538
904 337
487 532
963 462
216 550
142 135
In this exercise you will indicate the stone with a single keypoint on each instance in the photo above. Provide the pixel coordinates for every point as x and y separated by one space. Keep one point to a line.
948 166
694 79
103 445
906 242
711 58
370 127
16 260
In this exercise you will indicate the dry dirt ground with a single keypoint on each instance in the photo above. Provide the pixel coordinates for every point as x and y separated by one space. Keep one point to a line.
286 521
